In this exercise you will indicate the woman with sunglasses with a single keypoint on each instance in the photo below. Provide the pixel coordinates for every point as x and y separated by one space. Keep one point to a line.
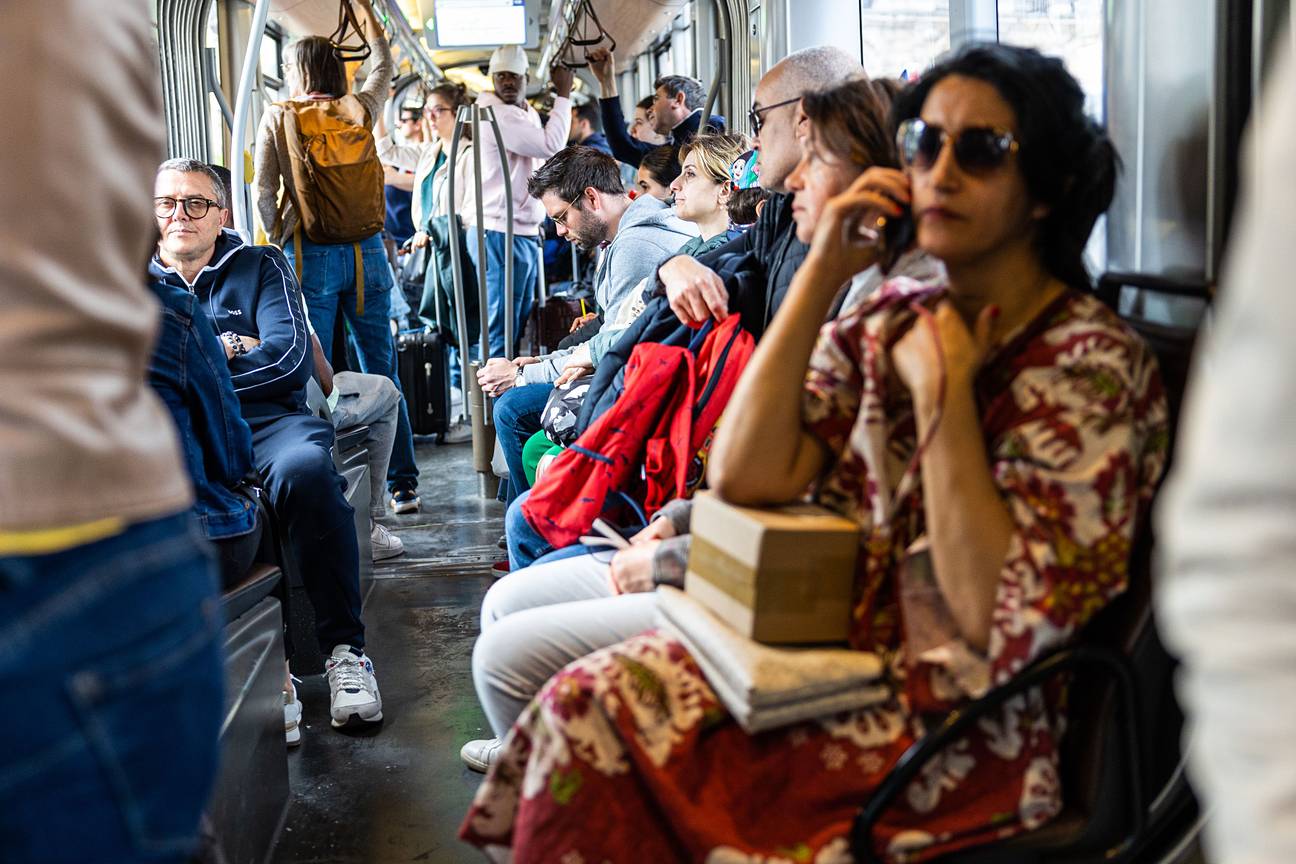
1043 430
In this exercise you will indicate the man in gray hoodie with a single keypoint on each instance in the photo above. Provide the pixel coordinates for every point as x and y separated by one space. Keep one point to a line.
581 190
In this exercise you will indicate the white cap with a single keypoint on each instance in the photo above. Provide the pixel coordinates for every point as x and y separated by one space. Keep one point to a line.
509 58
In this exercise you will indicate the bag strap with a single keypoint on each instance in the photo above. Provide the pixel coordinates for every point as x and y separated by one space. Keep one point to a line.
347 20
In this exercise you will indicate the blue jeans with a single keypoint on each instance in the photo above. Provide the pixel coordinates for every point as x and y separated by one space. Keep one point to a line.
525 544
111 655
526 272
517 418
328 282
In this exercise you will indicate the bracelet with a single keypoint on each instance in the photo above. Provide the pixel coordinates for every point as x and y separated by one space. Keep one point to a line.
235 342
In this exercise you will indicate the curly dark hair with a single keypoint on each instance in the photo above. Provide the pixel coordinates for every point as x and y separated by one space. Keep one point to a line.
1068 162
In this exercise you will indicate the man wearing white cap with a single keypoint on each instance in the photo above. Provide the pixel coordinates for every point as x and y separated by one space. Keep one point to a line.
527 144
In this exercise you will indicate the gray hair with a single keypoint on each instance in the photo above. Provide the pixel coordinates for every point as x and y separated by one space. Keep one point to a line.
817 69
193 166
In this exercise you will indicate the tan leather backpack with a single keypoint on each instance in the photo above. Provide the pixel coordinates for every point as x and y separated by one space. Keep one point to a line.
335 169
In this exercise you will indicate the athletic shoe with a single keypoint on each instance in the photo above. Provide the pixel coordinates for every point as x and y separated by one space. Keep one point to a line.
481 754
404 500
502 542
384 543
292 715
353 689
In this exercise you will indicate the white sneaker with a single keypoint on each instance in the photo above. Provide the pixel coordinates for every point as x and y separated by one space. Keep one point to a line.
481 754
384 543
292 715
353 689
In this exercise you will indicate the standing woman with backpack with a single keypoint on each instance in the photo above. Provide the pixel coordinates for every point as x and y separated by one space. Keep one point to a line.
329 218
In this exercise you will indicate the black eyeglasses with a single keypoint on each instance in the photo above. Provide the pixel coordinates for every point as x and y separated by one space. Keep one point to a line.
977 149
194 208
754 114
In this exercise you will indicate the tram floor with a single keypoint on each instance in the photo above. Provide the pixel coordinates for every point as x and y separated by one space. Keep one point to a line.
398 792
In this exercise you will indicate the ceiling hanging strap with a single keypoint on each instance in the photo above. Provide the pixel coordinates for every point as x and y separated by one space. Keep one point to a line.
348 21
581 23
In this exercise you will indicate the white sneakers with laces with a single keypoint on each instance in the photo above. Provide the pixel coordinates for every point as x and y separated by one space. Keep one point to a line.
353 689
481 754
292 713
384 543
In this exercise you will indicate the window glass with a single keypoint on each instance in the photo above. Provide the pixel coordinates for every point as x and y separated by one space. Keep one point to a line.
270 67
903 36
1069 29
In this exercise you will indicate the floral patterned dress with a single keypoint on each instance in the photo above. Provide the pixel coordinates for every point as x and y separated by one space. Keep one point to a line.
628 754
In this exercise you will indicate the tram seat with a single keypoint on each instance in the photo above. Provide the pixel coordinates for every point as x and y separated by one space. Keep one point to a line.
1123 723
250 801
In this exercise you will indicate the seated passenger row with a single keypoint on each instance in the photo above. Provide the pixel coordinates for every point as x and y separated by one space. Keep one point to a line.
946 407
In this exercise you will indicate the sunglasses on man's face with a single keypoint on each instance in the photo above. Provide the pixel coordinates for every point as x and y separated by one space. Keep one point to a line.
977 149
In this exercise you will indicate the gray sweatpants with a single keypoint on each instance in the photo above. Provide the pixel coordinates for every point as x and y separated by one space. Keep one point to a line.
373 401
537 620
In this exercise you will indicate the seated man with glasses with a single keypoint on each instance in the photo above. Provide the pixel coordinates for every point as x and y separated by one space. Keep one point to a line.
770 252
581 191
251 295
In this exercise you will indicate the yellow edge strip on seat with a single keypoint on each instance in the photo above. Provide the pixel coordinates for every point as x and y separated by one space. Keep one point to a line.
49 540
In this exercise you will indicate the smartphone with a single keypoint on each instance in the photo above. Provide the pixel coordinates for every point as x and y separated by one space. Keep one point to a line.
897 237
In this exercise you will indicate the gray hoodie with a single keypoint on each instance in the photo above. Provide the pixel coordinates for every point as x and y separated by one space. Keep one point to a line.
648 235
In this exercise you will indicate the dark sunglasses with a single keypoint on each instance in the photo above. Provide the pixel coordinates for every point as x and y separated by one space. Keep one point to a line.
755 116
977 149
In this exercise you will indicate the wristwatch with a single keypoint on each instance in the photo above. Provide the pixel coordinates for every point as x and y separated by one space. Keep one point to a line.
235 342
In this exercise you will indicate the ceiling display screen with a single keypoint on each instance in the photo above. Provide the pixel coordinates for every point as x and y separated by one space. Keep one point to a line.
473 23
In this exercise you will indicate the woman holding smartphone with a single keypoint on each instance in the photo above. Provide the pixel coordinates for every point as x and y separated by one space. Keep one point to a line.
1004 427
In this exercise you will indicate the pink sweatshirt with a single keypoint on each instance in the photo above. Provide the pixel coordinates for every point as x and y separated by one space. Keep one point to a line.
528 145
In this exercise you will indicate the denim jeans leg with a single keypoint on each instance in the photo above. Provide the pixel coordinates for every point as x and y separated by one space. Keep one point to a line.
377 349
525 545
115 648
293 454
526 274
517 418
322 268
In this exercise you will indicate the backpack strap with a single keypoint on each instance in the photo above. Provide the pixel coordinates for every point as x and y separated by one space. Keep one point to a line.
297 247
359 280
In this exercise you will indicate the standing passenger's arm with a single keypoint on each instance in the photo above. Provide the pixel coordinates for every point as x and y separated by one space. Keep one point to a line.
267 174
373 92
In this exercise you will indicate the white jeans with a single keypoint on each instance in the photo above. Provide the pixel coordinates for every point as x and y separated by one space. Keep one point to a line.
373 401
537 620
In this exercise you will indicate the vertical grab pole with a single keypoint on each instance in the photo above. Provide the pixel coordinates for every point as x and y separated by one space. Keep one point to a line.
483 427
484 304
456 264
509 324
242 110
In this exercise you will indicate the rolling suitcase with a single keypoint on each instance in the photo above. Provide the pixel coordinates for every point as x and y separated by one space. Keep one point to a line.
424 369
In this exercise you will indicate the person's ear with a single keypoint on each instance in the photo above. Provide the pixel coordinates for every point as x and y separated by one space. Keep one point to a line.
726 191
592 196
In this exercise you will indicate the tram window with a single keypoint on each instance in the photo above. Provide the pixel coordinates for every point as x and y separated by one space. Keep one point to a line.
272 58
1070 29
903 35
